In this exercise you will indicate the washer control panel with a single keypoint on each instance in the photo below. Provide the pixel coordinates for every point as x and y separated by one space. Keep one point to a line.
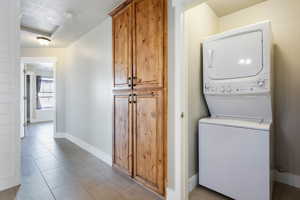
231 88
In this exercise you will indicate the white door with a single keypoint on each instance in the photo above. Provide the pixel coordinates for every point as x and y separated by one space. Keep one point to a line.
235 56
9 94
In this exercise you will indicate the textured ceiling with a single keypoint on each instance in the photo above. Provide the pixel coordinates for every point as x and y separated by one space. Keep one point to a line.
50 18
225 7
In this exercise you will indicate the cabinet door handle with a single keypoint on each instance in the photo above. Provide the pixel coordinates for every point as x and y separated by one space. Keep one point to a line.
134 98
129 81
129 99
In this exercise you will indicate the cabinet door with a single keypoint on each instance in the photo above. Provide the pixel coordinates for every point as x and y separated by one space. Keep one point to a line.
148 43
122 48
122 158
149 140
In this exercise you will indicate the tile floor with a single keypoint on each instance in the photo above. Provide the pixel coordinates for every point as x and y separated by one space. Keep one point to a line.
56 169
281 192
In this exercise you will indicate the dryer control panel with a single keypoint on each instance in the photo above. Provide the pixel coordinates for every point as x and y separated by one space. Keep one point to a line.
231 88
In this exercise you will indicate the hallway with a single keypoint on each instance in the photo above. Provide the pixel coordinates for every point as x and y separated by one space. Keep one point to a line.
56 169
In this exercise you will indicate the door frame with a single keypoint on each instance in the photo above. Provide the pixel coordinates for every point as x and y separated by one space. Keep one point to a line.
181 185
29 60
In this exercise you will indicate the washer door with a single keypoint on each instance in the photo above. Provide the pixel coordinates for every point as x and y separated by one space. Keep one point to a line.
235 56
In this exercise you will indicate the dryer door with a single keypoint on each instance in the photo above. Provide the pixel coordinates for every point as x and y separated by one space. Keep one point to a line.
235 56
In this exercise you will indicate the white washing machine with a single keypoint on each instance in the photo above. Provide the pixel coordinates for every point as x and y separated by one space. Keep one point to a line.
235 142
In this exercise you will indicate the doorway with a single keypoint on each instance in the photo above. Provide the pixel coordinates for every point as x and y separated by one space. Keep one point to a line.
38 105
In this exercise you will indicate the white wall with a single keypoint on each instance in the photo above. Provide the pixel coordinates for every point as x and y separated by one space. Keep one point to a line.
9 94
171 97
89 88
284 16
200 22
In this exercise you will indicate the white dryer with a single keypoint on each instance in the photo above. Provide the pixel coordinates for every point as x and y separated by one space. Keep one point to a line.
235 142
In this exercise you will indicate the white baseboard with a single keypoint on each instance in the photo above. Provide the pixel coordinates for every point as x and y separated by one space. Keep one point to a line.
170 194
193 182
59 135
288 178
91 149
9 183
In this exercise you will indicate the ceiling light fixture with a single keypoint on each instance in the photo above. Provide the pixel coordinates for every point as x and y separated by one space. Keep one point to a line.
43 41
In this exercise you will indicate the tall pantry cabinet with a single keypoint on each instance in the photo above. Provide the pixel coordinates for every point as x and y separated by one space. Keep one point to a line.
140 91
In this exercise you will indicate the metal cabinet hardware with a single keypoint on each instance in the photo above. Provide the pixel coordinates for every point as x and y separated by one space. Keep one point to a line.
134 98
134 81
129 98
129 81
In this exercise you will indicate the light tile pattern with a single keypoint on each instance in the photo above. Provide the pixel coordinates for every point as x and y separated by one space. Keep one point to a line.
56 169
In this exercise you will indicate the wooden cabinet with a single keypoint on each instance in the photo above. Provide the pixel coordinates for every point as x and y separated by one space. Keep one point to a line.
139 39
148 43
122 48
140 91
122 139
148 139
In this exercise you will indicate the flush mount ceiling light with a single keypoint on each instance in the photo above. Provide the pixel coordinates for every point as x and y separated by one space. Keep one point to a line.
43 41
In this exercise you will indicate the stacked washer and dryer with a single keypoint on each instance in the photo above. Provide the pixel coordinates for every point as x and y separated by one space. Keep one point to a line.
235 144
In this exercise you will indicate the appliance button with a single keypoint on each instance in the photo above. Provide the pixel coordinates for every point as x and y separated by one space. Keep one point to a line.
261 83
222 89
228 89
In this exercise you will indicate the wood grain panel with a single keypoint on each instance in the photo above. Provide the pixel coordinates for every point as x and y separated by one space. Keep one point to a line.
122 48
122 157
140 52
149 140
148 43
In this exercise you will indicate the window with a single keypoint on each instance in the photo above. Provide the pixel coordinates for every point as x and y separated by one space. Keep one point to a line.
45 92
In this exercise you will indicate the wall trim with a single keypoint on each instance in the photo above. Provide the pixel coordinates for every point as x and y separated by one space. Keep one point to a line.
193 182
170 194
59 135
9 182
288 178
91 149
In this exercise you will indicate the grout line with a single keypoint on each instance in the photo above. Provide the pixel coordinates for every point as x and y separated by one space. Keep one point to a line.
40 171
56 157
45 180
